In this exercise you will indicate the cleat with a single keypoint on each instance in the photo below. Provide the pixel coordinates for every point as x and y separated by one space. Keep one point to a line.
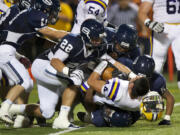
6 119
84 117
73 126
60 123
21 122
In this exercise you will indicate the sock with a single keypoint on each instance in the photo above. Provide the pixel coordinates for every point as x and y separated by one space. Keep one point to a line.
64 111
6 105
8 101
17 109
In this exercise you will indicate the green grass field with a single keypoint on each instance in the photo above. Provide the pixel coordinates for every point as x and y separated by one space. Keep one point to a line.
141 127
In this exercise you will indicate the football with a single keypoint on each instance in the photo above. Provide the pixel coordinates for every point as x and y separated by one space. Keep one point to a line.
107 74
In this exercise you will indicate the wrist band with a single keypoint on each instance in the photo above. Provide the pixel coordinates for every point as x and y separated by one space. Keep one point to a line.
147 21
65 71
132 75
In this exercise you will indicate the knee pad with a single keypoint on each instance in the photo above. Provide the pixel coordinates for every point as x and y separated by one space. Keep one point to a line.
47 113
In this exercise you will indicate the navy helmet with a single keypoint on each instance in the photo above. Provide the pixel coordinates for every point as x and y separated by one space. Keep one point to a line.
93 33
144 65
25 4
126 37
50 7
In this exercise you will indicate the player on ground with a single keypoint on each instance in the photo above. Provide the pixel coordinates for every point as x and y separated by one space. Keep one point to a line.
145 65
166 30
118 93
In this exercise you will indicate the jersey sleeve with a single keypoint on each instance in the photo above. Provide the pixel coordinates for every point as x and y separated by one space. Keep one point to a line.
94 7
37 19
158 84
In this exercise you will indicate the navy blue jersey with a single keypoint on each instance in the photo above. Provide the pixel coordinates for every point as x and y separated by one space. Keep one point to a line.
7 16
24 26
74 46
4 20
158 83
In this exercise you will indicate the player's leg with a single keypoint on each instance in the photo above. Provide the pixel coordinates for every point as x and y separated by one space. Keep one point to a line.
160 47
19 75
68 98
176 50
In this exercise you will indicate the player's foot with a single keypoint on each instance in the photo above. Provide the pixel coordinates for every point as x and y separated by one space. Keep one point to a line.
21 122
62 124
84 117
5 116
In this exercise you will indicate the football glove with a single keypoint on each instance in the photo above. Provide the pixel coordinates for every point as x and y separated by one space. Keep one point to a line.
155 26
165 122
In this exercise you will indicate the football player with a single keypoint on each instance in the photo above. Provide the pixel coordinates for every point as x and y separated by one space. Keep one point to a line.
145 65
42 13
94 9
121 96
165 30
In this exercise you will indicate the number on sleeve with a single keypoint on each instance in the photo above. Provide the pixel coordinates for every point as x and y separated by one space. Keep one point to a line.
66 46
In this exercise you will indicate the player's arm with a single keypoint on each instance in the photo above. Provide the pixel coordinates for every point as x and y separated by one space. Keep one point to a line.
144 10
52 33
169 107
61 55
119 66
93 81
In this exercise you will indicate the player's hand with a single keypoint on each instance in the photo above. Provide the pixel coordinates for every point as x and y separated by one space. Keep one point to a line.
25 61
155 26
77 77
165 122
115 72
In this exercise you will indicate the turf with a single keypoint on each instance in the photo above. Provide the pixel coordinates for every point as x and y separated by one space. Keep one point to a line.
141 127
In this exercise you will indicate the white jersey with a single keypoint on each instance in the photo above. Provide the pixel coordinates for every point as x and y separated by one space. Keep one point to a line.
115 93
86 9
166 11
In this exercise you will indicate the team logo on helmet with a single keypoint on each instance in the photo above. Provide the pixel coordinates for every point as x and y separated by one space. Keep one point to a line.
48 2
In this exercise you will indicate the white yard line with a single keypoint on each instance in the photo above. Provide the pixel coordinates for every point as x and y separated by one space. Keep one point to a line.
65 131
73 129
177 104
